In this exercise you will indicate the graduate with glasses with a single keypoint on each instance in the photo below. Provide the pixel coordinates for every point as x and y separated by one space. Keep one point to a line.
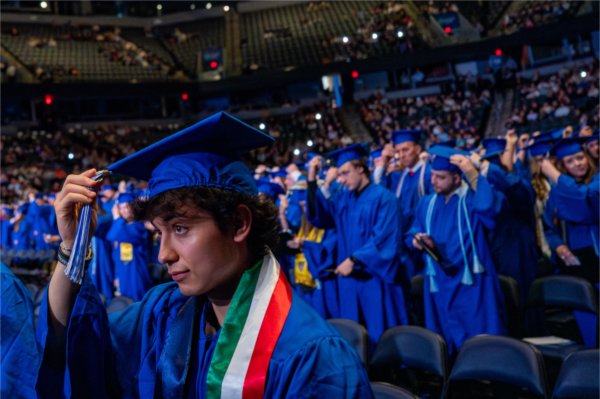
229 324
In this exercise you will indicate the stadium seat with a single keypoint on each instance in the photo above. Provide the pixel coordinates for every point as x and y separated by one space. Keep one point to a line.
412 357
416 294
355 334
383 390
551 302
579 376
119 303
514 309
494 366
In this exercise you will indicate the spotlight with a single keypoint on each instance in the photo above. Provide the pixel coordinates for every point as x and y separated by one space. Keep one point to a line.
296 151
309 143
262 126
208 6
400 34
226 8
71 155
374 36
583 74
318 116
345 39
43 4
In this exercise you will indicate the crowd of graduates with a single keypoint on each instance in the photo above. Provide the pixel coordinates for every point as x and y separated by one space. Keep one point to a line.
357 227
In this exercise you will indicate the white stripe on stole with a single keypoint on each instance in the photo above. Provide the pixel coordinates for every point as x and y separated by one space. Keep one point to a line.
233 381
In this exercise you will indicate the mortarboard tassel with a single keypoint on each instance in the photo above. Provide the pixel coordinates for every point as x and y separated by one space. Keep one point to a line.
429 269
433 287
467 278
75 269
477 265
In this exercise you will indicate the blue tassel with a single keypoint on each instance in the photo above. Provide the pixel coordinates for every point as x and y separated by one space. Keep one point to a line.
433 287
75 270
477 266
467 278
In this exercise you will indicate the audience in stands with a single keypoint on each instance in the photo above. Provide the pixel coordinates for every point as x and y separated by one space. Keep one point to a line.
536 13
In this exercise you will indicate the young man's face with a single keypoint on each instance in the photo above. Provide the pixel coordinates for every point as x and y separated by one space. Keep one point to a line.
350 176
444 182
200 258
408 153
126 212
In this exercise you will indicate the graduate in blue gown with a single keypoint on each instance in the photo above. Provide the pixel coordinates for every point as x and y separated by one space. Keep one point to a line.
365 217
22 236
228 326
6 214
19 351
462 294
571 211
514 258
408 185
101 268
130 253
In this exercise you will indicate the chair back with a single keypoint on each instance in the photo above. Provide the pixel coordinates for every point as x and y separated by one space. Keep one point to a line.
355 334
579 376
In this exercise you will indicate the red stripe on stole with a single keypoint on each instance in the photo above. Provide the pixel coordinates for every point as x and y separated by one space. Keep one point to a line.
275 316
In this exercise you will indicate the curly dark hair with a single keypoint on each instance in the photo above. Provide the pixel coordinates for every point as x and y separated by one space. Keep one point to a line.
221 204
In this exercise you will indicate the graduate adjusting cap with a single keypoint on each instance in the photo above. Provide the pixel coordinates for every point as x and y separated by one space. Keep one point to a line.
125 198
493 147
566 147
540 146
406 135
441 159
347 154
271 190
204 154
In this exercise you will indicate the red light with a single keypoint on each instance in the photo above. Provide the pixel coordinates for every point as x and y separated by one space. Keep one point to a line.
48 99
354 74
185 96
213 64
498 52
448 29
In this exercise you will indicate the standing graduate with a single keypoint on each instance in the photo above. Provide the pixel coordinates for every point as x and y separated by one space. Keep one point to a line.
572 209
229 325
514 258
365 216
19 351
101 268
130 253
409 184
462 295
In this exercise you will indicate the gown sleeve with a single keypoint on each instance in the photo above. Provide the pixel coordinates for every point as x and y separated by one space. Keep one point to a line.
577 203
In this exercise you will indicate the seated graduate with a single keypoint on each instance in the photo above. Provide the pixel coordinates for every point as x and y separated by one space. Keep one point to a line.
229 325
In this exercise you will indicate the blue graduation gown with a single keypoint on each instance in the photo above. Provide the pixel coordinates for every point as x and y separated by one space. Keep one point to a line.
321 260
6 234
458 311
367 228
146 351
19 351
408 196
571 217
131 265
101 268
516 258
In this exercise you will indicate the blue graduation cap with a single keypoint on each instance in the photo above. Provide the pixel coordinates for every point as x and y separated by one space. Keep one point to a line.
441 160
402 136
347 154
204 154
593 137
278 173
566 147
39 196
554 134
493 147
309 156
271 190
373 155
540 146
106 187
125 198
